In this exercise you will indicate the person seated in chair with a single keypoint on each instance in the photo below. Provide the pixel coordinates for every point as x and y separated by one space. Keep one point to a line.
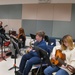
32 57
68 48
19 39
13 36
21 36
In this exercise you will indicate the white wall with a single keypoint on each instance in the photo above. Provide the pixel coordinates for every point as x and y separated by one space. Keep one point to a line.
59 12
62 1
14 24
2 2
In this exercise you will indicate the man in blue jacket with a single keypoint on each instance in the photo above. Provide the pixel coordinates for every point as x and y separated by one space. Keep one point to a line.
31 58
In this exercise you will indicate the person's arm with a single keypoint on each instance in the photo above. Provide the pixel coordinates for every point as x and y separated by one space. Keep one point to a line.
70 64
54 51
2 30
72 59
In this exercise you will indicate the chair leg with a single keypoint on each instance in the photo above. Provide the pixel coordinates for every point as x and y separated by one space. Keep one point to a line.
39 69
4 50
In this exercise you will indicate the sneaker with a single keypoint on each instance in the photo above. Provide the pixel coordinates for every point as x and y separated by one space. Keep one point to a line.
12 56
18 73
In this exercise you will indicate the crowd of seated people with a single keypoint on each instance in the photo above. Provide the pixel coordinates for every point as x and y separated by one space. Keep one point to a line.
66 46
32 57
19 39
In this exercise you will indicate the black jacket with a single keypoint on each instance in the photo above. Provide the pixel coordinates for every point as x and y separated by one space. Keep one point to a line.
2 31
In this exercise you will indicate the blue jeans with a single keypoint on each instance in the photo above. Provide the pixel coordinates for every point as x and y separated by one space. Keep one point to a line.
27 61
61 72
49 70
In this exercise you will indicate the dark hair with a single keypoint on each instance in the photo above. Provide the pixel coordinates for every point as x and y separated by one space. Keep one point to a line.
41 34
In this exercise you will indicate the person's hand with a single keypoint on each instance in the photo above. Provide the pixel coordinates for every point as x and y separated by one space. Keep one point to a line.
11 35
52 60
33 50
20 41
53 57
63 66
71 68
28 50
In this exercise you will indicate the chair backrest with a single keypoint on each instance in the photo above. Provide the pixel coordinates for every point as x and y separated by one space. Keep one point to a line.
52 42
50 48
47 39
32 36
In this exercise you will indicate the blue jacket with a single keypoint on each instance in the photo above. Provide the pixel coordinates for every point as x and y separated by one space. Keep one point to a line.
41 44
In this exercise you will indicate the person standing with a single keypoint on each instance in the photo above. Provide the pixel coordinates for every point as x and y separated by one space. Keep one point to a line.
2 30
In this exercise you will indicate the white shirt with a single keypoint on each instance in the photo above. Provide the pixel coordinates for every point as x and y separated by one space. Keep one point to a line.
70 56
54 50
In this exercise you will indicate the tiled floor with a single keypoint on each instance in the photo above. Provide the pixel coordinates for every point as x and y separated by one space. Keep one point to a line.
5 65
